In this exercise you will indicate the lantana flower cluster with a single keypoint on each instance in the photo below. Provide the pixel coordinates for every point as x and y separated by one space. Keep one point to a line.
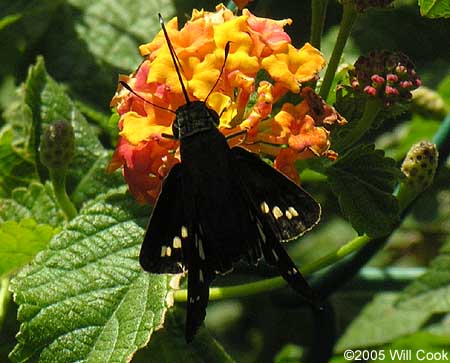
296 131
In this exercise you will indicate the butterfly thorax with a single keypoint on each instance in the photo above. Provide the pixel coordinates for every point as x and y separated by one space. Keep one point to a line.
192 118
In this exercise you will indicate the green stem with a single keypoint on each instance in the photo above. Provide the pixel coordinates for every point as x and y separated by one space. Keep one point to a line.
58 177
401 274
5 296
348 19
252 288
231 5
318 12
442 140
371 108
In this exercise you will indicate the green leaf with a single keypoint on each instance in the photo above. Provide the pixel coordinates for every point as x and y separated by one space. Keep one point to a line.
96 181
380 322
431 291
85 298
19 120
20 242
444 90
8 20
37 201
23 22
399 142
113 29
169 345
363 180
49 103
290 353
15 169
420 341
435 8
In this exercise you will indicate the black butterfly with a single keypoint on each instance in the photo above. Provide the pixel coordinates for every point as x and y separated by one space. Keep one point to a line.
218 206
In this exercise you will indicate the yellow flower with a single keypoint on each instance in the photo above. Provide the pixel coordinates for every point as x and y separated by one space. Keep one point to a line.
295 66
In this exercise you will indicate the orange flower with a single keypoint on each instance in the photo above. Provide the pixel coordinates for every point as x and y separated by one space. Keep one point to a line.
297 131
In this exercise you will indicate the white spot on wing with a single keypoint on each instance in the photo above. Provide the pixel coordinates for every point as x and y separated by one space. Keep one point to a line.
176 242
277 213
163 251
264 208
288 214
293 211
168 251
184 232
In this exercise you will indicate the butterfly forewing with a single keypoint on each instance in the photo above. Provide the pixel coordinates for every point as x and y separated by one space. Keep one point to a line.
286 208
161 250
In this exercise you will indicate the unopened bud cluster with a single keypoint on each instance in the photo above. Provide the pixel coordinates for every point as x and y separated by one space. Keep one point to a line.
420 165
387 75
57 145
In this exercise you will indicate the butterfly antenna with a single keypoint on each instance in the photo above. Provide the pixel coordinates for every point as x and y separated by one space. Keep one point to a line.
175 60
127 86
227 50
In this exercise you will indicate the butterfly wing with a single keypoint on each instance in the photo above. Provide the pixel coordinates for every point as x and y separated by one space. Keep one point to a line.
280 203
199 280
161 250
282 211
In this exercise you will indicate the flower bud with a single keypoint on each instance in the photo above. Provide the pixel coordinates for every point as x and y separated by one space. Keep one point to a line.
429 103
57 145
384 74
420 165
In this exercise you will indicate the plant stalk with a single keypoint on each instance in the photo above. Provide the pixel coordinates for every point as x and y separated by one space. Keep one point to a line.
58 178
318 12
5 296
348 19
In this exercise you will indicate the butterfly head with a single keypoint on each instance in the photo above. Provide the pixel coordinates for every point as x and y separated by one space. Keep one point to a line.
192 118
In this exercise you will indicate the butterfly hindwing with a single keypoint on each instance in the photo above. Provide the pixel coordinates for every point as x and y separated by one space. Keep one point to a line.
277 201
161 250
275 254
199 280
